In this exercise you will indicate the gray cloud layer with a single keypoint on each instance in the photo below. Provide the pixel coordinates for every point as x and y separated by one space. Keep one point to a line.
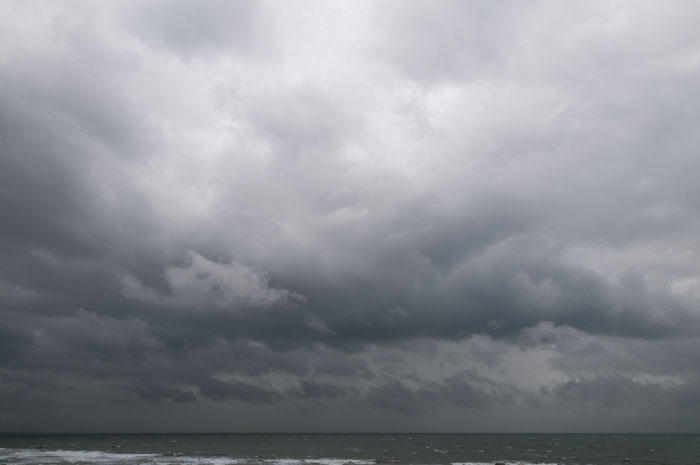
349 216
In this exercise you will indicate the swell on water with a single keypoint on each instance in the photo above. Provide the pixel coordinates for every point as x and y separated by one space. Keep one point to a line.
61 457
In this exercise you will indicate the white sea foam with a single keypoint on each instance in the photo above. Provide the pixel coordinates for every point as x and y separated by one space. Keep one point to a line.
340 461
26 456
187 460
504 462
56 457
308 461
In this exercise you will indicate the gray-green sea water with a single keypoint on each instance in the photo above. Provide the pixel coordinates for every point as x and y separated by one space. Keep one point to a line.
355 449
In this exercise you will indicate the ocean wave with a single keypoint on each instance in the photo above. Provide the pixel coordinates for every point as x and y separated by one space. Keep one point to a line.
503 462
323 461
85 457
31 456
59 457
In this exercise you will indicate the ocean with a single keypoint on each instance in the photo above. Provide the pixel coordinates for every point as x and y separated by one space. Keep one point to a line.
352 449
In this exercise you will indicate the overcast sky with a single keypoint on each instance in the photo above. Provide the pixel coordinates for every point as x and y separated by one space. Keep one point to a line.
349 216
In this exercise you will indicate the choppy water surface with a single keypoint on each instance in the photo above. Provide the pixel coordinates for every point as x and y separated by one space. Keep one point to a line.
352 449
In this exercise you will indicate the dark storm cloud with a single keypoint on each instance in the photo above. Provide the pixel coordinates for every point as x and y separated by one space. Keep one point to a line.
386 208
21 388
251 393
12 341
607 391
463 389
614 391
313 390
395 396
155 391
239 390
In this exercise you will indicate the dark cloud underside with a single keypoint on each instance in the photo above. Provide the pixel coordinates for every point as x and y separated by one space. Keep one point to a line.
396 215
